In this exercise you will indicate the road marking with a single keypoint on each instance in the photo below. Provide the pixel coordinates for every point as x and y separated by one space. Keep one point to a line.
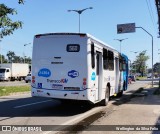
32 104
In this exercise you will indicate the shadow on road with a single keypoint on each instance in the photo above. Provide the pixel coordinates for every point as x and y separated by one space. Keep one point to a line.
9 108
144 97
12 108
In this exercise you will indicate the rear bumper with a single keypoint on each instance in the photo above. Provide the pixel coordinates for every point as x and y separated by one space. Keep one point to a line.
60 94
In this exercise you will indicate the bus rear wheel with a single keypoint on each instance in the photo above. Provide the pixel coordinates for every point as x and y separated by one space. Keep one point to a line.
105 101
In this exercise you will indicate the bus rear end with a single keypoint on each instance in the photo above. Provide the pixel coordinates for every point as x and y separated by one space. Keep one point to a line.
59 66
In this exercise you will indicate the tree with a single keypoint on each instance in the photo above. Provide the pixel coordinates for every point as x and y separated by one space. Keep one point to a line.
28 60
3 59
139 65
21 1
7 26
13 58
17 59
10 56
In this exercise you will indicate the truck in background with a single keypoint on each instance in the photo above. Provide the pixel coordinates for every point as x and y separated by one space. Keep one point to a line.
13 71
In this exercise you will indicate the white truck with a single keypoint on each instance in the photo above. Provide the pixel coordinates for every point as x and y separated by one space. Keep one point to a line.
13 71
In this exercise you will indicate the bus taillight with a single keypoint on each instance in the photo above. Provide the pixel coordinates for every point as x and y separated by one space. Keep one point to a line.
33 79
84 83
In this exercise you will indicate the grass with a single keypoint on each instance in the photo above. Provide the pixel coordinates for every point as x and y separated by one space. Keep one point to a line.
13 89
140 78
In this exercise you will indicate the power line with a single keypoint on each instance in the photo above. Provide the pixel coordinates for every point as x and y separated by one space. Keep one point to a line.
157 2
151 14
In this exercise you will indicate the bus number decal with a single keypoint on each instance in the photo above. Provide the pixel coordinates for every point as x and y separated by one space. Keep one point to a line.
44 72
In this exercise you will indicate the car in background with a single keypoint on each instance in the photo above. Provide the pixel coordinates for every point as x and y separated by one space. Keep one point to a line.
28 78
129 80
132 77
149 75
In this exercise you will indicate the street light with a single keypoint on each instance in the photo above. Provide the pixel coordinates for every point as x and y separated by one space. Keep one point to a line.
80 12
159 72
24 50
120 40
152 48
135 58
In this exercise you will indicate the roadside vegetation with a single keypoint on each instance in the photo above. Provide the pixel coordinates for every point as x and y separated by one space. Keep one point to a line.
13 89
141 78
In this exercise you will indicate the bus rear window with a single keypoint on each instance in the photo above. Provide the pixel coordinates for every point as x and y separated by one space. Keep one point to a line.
73 48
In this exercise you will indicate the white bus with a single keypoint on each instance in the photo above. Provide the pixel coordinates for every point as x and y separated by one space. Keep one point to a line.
75 66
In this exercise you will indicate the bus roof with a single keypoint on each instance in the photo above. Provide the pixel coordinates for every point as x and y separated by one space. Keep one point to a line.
81 35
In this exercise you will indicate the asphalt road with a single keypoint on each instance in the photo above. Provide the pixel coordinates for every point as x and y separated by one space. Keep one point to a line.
25 110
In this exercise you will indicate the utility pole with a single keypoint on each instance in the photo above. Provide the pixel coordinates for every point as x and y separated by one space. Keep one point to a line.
152 48
135 59
24 51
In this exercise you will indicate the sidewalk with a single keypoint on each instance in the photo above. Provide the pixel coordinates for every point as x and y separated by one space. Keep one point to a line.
141 109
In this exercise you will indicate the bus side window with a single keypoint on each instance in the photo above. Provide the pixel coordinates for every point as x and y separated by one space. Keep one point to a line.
120 63
110 60
92 56
105 63
124 64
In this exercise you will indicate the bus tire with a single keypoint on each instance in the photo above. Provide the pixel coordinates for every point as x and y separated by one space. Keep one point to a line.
121 92
105 101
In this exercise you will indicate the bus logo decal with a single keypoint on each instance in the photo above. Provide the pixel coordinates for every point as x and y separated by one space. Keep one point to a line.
44 72
93 76
73 74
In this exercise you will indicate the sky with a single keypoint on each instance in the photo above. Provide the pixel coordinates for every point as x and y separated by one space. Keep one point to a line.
50 16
